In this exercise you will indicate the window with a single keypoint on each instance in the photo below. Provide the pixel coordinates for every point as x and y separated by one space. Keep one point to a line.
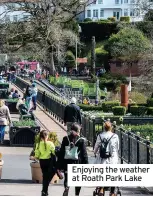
101 13
125 1
132 12
132 1
88 13
100 1
125 12
15 18
95 13
116 1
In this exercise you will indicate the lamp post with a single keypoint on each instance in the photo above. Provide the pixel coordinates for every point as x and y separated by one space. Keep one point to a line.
76 42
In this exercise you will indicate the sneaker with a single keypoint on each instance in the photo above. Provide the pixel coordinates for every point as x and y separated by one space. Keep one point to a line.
66 191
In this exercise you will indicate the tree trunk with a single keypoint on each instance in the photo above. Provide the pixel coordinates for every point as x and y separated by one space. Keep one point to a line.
93 55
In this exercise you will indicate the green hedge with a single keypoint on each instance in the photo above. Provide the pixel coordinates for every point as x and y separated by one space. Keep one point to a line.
112 19
150 102
145 130
108 105
125 19
138 110
90 107
119 110
102 29
150 111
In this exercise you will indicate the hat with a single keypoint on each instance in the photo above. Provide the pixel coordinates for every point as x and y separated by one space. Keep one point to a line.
73 100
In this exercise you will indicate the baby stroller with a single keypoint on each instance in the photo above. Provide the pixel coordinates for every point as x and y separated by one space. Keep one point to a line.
117 191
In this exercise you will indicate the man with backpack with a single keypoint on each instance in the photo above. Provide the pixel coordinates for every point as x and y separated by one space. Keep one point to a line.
72 114
108 145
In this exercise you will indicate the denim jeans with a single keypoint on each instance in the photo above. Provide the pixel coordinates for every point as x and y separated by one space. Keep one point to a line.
2 132
34 100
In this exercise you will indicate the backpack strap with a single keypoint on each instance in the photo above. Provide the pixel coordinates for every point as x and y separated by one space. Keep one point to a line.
109 138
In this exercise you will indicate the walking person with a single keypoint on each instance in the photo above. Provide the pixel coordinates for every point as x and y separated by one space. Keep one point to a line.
72 140
34 91
72 114
108 145
45 151
28 97
4 117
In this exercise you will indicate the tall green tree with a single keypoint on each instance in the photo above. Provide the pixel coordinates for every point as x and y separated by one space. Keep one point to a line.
128 45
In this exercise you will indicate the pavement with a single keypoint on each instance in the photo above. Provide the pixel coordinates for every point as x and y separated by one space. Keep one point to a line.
16 175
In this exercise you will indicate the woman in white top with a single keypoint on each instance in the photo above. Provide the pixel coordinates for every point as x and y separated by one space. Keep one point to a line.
112 149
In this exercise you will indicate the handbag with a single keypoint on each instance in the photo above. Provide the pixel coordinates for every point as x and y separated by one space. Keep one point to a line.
71 152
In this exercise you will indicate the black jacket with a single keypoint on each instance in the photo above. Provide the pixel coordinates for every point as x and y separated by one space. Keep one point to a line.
72 114
83 156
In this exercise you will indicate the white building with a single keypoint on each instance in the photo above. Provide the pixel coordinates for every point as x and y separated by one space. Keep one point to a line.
102 9
6 15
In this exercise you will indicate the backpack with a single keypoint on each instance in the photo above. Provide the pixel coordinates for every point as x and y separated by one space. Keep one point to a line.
71 151
103 148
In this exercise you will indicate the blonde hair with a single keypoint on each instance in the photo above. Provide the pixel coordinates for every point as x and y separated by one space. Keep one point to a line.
1 102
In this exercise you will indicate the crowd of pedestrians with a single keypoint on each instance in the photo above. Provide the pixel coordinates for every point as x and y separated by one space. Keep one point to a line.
73 151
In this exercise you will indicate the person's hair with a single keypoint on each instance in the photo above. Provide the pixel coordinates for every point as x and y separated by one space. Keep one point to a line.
75 127
1 102
107 126
33 85
42 136
16 91
9 93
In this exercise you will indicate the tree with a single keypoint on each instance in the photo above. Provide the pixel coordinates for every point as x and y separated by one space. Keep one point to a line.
46 29
128 45
149 16
70 59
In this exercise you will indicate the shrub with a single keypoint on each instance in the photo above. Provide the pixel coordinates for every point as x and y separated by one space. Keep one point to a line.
150 102
112 19
150 111
87 20
138 110
119 110
145 130
99 27
24 123
108 105
137 97
90 108
125 19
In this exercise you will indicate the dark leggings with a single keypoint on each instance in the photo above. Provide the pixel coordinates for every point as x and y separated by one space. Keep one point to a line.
48 173
77 189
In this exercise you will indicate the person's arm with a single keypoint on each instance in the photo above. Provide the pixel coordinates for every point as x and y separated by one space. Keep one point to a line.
97 144
65 115
37 152
79 116
84 155
61 155
8 114
114 146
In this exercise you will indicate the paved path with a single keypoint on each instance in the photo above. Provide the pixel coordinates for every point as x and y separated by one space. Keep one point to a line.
16 177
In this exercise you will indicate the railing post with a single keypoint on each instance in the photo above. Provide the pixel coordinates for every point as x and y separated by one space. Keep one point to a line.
148 149
129 145
121 146
94 133
138 149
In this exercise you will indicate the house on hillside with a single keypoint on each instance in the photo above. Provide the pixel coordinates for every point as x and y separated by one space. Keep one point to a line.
117 67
